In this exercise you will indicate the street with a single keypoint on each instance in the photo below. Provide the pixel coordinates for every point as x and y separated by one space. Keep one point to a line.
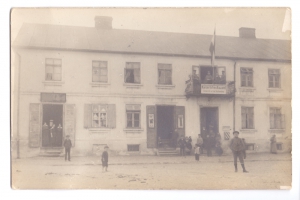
266 171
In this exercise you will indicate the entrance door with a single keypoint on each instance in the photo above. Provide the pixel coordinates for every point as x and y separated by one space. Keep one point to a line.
209 122
52 134
165 122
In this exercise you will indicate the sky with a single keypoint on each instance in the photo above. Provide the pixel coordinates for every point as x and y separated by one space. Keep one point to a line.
268 22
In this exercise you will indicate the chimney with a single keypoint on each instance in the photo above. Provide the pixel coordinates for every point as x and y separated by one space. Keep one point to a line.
103 22
247 32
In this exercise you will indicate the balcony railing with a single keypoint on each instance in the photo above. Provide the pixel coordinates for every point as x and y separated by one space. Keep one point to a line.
195 87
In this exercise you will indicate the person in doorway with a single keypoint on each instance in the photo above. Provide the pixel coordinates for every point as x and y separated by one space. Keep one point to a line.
59 132
209 145
104 159
67 145
273 144
52 133
237 146
208 78
182 144
197 152
200 142
175 138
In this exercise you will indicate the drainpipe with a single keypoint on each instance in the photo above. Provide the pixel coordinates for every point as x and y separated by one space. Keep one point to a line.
234 79
18 110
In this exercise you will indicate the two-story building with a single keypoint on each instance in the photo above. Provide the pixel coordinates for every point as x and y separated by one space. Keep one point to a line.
132 89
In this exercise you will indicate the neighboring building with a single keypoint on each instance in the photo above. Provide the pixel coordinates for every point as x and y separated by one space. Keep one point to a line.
131 89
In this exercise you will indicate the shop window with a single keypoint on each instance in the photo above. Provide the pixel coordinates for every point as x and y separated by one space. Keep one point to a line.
99 115
133 147
247 118
132 73
165 74
277 120
274 78
133 114
246 77
53 69
99 71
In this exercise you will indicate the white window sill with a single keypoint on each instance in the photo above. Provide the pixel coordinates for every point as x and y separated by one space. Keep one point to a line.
165 86
275 89
133 130
133 84
99 130
53 83
99 84
248 130
248 89
276 130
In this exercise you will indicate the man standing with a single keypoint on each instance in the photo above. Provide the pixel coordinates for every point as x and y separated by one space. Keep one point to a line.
67 145
200 142
237 146
182 144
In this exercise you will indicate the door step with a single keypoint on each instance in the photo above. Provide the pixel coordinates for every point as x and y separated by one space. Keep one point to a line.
51 152
167 152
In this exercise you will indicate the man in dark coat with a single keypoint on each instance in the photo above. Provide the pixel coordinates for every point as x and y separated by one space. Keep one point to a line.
104 159
182 144
67 145
237 146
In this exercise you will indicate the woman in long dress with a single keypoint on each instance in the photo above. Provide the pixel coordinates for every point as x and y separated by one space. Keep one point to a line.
273 144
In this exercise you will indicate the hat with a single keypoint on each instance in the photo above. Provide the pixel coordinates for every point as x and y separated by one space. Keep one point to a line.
235 132
105 147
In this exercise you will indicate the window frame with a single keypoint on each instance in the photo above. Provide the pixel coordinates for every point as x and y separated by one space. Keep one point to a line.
99 66
248 118
133 71
133 109
277 119
166 68
99 115
133 145
53 66
248 72
273 75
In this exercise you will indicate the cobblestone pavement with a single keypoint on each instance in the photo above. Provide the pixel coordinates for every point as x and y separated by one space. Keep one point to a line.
267 171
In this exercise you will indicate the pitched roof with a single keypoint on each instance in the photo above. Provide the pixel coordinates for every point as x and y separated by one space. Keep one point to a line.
149 42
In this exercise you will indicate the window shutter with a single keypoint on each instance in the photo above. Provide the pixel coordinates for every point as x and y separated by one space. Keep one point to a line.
69 121
152 129
87 115
111 116
179 110
34 125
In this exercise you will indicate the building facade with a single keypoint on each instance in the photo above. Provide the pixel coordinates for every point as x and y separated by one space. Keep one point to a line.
134 90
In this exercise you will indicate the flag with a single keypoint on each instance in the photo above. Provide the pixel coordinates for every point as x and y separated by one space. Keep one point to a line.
212 48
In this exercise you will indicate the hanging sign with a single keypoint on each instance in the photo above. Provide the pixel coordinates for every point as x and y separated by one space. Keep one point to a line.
213 89
151 120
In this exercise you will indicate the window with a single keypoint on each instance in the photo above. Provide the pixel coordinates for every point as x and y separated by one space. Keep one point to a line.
99 116
276 119
246 77
133 147
247 118
53 69
274 78
99 71
133 113
165 74
132 72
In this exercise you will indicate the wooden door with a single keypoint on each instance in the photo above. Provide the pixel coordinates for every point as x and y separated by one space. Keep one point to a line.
70 121
151 126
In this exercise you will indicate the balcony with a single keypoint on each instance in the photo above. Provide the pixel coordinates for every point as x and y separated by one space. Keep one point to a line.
195 87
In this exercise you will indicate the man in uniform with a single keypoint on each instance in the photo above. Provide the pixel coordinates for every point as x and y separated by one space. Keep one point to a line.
237 146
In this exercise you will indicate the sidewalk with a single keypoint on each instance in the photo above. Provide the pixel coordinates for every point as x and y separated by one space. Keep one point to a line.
139 160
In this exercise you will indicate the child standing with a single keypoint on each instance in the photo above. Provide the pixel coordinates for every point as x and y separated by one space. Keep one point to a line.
104 159
197 152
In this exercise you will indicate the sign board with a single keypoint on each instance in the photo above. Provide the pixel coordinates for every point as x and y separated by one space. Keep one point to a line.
213 89
53 97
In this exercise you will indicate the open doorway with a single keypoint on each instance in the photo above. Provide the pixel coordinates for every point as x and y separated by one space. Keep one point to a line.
165 125
209 123
52 131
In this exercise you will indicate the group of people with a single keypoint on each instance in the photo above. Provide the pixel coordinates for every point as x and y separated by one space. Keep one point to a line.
52 135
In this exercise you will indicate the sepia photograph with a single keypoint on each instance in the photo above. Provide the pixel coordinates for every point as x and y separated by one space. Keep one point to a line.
151 98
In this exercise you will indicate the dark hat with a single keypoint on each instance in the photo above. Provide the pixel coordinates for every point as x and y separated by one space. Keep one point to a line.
235 132
105 147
